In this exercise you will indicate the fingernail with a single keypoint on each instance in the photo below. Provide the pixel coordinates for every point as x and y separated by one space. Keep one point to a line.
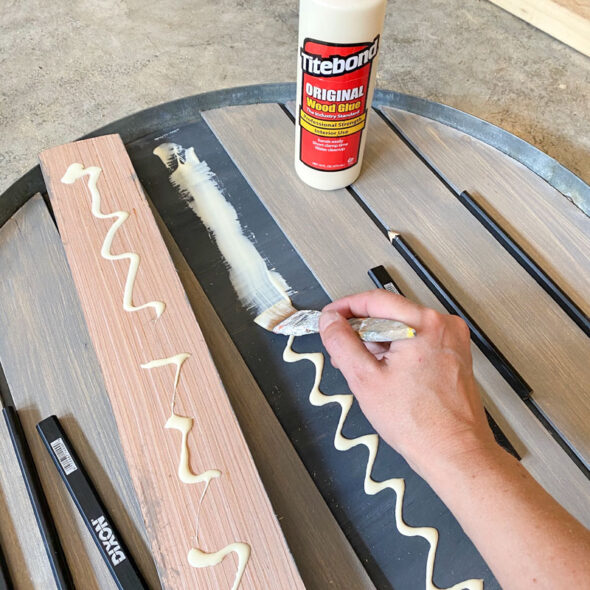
328 317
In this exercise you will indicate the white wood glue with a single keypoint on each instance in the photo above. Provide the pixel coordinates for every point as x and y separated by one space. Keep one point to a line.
338 48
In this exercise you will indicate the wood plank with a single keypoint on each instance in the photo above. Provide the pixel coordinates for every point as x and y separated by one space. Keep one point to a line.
322 552
538 338
554 232
566 20
41 325
236 508
331 232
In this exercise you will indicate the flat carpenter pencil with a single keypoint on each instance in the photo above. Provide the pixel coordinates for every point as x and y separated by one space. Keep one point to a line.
98 521
542 278
494 355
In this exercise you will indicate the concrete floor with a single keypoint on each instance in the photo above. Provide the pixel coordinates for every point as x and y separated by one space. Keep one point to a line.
67 68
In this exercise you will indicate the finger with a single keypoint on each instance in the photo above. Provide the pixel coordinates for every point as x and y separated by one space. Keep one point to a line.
380 304
377 348
345 348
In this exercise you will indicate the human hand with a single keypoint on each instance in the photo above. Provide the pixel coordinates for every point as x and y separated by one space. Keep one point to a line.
419 394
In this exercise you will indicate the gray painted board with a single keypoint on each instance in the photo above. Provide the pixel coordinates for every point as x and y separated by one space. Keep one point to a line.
538 338
339 243
554 232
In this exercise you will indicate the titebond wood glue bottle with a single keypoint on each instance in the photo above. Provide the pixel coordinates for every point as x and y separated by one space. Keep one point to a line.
338 48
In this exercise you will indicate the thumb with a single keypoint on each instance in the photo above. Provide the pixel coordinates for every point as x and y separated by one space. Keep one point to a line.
347 351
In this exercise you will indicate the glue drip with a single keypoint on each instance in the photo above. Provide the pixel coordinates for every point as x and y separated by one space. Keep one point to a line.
196 557
182 423
73 173
372 487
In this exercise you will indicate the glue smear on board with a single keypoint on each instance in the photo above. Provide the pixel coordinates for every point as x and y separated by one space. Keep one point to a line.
195 181
256 286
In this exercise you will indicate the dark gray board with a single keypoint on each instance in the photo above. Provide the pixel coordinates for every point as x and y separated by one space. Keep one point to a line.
392 561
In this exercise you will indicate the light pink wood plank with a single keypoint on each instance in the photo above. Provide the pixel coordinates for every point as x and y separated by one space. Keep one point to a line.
235 508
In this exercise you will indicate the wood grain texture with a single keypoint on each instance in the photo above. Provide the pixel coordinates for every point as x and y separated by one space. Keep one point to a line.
551 229
20 538
538 338
323 554
339 243
51 368
236 507
566 20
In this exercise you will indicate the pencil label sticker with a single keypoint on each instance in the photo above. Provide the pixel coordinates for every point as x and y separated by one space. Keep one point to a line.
63 456
334 102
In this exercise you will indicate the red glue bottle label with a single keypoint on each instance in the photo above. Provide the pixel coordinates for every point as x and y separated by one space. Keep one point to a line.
333 102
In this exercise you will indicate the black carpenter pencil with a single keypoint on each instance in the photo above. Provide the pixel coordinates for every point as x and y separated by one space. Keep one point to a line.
102 528
540 276
493 354
55 552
